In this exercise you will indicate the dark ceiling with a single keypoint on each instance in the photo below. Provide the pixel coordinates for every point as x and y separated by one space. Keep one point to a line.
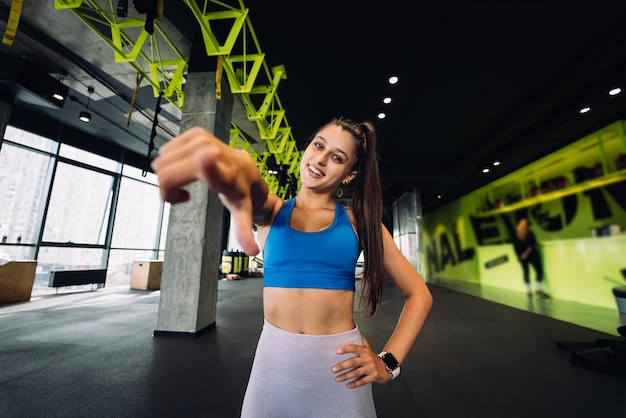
478 81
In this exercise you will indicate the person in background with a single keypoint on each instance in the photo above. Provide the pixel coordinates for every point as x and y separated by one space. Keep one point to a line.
311 359
525 245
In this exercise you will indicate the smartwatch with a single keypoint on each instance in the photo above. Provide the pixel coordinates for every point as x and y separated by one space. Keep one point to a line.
390 363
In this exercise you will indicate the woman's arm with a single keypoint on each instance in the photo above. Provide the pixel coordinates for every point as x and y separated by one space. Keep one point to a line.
368 367
418 299
198 155
523 256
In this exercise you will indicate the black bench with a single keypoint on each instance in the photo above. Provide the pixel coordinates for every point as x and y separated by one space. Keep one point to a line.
77 277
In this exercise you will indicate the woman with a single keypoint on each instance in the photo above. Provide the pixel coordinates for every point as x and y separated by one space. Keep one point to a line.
525 245
311 357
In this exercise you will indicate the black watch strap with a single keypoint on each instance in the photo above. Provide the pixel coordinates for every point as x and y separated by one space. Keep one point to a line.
391 363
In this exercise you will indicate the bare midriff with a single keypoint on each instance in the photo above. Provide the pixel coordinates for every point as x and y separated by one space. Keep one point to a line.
309 311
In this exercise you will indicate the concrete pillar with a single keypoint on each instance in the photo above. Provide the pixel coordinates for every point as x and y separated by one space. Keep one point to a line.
194 237
407 224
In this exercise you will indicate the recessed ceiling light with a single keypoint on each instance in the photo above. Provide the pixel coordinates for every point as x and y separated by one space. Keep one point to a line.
58 96
615 91
486 170
393 79
496 163
585 110
387 100
382 115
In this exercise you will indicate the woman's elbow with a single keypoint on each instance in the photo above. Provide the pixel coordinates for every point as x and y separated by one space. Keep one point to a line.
427 301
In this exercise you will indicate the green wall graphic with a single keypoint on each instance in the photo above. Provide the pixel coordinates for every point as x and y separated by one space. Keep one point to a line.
579 225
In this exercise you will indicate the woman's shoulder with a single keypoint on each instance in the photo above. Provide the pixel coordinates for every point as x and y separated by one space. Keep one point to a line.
276 205
353 219
272 206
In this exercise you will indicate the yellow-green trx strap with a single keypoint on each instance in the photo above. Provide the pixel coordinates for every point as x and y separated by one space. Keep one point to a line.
14 20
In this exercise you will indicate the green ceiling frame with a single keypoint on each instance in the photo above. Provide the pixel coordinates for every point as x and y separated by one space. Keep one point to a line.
239 141
242 59
243 62
289 157
67 4
126 50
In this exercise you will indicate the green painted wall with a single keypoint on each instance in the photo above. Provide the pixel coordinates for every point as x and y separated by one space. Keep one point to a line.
462 242
450 244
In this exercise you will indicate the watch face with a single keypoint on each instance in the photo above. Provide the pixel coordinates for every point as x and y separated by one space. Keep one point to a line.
390 361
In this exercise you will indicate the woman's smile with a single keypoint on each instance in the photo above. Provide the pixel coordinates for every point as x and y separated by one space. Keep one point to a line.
314 171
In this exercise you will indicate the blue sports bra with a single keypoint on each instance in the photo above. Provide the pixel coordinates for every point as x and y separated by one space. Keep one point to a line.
321 260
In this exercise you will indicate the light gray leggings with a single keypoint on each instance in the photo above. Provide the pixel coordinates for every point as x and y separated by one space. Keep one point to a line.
291 378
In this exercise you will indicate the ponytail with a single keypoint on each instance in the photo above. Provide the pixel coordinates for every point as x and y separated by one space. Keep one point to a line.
367 206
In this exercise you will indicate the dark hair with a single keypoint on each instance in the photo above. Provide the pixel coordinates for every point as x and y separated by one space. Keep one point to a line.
367 206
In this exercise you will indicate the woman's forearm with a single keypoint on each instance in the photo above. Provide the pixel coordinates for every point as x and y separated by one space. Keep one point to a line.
410 325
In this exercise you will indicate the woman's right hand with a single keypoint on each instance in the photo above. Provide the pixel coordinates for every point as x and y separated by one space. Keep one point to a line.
198 155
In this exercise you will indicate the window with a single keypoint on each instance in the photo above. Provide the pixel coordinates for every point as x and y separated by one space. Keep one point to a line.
79 206
23 183
87 157
62 216
30 140
137 218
